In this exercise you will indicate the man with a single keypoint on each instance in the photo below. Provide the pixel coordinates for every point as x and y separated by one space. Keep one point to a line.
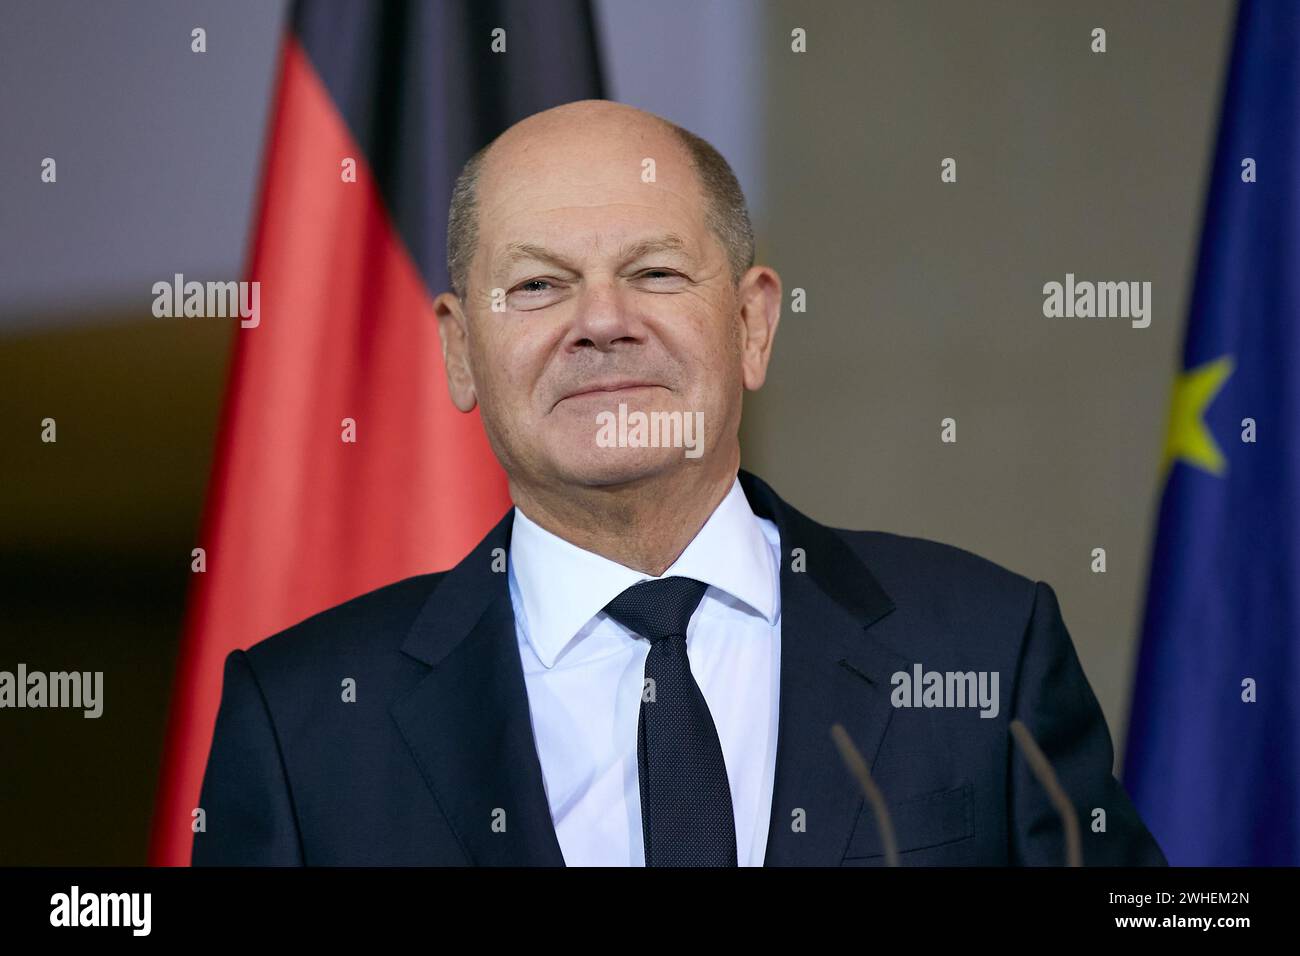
642 663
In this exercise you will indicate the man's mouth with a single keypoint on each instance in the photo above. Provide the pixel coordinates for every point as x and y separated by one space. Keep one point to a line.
600 389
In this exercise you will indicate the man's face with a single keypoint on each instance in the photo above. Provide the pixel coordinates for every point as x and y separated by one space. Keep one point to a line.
611 290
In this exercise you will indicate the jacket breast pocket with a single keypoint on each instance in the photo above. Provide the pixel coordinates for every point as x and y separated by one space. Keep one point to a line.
928 820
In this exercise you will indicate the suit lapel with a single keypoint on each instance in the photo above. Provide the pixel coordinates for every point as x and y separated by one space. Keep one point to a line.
468 726
832 671
467 723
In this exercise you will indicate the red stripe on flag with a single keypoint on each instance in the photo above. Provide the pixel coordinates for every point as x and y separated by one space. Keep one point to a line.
296 520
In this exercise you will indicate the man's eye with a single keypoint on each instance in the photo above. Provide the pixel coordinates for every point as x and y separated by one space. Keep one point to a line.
661 276
525 286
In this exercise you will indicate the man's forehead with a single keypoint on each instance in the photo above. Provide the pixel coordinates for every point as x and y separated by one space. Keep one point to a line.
601 191
520 251
544 182
592 223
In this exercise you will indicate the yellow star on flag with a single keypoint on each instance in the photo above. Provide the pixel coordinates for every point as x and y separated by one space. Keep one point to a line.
1188 438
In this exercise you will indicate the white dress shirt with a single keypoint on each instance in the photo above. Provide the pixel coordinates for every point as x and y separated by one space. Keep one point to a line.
584 670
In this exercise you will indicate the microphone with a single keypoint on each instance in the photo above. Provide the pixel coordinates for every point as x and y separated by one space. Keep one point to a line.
858 767
1042 769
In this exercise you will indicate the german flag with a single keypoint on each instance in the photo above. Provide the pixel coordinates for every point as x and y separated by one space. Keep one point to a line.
341 464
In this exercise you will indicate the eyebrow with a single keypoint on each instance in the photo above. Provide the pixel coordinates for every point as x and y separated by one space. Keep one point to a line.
521 251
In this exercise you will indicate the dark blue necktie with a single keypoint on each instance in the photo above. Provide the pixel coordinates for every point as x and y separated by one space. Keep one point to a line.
686 814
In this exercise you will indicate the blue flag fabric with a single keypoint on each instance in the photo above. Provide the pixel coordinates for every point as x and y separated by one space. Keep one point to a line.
1213 756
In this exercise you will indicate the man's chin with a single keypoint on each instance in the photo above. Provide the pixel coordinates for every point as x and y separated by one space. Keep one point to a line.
604 467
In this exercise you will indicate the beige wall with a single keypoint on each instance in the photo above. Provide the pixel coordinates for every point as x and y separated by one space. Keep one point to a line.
925 299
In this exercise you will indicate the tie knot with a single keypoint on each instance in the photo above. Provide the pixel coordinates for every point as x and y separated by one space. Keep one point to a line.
658 609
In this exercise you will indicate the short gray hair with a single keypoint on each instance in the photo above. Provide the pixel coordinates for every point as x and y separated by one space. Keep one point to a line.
727 215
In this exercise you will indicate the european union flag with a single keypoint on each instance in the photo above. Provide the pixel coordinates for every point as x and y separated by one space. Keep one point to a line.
1213 758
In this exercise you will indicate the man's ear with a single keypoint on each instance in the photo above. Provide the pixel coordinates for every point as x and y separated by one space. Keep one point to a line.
759 293
454 332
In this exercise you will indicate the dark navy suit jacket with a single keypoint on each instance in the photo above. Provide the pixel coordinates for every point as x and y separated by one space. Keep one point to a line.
438 743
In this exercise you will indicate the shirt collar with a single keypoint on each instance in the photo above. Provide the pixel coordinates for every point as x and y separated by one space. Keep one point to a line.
561 586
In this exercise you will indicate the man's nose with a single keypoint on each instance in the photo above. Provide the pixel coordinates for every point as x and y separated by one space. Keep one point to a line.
605 315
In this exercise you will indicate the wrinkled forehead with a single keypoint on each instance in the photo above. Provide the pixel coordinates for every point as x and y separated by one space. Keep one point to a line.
587 194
